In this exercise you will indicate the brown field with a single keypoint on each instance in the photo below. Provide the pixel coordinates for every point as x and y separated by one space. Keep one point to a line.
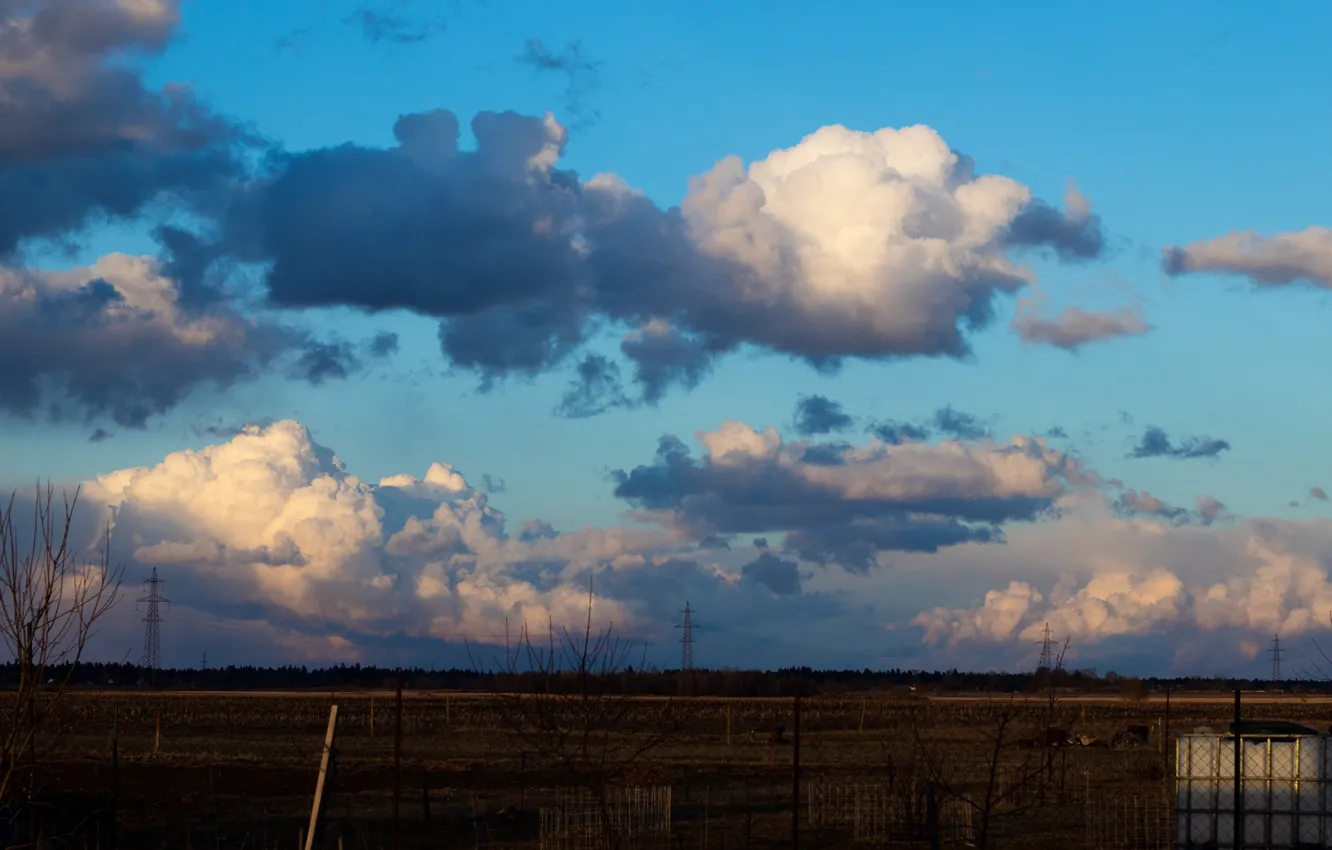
238 770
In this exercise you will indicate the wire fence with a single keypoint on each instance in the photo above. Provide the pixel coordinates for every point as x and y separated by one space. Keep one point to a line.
620 818
881 814
1130 823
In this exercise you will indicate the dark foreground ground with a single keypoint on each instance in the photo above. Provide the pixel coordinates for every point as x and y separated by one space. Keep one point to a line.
239 771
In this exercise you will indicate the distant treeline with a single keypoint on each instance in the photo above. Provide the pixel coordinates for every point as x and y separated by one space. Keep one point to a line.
651 682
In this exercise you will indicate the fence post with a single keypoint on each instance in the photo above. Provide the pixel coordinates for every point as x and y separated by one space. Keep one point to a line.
397 759
1239 784
425 792
309 837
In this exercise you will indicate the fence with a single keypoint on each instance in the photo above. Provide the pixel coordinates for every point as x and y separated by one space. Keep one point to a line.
879 814
1130 823
1284 790
627 818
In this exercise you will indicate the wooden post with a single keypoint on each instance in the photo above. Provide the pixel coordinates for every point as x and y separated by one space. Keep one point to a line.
115 778
372 717
707 800
728 724
425 793
932 815
862 715
795 775
397 759
308 836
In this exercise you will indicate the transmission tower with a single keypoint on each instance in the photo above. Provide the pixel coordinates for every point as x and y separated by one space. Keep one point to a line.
152 622
687 638
1275 652
1047 649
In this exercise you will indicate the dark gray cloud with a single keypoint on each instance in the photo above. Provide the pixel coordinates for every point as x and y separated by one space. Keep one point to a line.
82 136
912 498
384 344
1145 504
105 341
776 574
1318 493
824 454
1057 432
1156 443
959 424
664 357
522 262
493 484
894 432
1071 235
947 421
1134 503
855 544
817 414
225 430
324 360
594 389
581 76
119 340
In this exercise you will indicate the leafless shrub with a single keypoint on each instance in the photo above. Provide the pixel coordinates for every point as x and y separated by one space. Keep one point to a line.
51 598
565 704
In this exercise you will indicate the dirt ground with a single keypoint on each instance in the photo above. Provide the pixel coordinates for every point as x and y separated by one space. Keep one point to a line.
233 770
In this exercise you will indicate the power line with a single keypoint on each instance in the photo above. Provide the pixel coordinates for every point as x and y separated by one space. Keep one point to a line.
1047 649
152 622
1276 651
687 638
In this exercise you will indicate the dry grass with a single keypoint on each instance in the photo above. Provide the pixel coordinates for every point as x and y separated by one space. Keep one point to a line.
238 769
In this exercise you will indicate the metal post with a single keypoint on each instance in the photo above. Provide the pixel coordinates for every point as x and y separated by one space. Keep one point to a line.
795 776
397 760
1165 731
1239 769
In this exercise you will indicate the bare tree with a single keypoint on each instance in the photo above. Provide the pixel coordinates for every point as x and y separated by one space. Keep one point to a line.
52 593
565 702
978 775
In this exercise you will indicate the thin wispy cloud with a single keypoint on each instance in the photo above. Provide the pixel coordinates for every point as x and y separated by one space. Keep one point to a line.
581 75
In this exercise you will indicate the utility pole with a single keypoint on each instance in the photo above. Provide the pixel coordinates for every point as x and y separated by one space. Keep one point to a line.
1276 652
1047 649
152 626
687 639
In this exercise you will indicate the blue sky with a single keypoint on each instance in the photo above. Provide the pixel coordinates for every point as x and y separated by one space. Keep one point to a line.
1179 122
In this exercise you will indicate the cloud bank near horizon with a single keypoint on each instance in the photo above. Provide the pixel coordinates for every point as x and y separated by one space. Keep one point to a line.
270 526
